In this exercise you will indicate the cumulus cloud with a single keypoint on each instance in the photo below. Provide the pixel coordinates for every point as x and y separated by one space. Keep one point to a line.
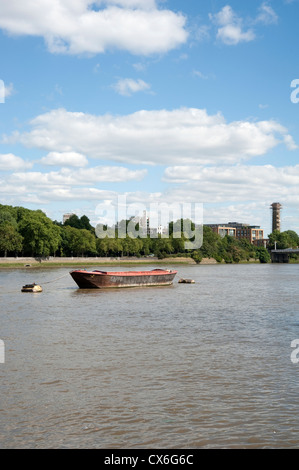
182 136
9 90
237 183
10 162
127 86
230 27
65 184
85 26
144 4
266 14
83 176
64 159
5 90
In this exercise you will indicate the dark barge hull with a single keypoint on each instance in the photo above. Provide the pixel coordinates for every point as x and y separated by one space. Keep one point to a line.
103 279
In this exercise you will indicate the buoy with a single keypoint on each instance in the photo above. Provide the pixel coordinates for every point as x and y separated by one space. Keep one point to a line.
186 281
32 288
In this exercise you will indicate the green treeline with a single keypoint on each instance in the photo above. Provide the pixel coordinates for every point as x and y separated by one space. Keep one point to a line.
24 232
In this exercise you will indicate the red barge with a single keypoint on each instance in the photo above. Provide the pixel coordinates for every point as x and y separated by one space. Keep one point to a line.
104 279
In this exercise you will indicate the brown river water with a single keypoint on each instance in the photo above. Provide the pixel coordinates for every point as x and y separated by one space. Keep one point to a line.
191 366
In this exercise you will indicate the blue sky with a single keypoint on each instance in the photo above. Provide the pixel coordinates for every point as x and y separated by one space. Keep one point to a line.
162 101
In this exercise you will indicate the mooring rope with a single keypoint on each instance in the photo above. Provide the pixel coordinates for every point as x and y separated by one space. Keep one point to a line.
57 279
46 282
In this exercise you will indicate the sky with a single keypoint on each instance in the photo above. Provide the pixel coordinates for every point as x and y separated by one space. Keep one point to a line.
153 101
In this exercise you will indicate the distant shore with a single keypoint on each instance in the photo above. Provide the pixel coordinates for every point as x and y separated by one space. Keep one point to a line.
52 262
57 262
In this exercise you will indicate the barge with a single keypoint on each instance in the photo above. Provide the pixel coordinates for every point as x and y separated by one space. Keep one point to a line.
104 279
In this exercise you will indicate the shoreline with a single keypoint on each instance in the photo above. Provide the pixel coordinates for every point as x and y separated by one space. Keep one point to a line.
56 262
79 262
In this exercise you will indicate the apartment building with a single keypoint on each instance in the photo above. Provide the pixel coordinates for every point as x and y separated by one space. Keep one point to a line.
253 233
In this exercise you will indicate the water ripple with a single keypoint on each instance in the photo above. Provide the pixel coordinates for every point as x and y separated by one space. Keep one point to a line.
192 366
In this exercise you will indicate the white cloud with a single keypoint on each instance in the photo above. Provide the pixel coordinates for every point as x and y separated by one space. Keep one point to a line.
85 26
66 184
144 4
245 192
8 90
230 27
201 75
237 183
48 195
140 67
252 213
127 86
64 159
83 176
241 192
182 136
10 162
266 14
232 34
202 33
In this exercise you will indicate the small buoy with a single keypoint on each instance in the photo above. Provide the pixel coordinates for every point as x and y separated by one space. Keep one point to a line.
186 281
31 288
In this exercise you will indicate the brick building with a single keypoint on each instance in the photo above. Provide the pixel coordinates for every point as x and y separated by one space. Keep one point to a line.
253 233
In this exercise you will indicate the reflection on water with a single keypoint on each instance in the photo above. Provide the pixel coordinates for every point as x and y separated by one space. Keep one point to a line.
187 366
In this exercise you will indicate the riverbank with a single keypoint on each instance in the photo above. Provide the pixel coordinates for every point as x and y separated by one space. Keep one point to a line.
55 262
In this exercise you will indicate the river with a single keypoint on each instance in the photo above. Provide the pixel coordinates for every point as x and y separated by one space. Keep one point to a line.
204 365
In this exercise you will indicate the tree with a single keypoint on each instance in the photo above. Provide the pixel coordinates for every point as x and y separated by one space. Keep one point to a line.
79 241
293 238
109 246
197 256
86 242
132 246
73 221
178 244
6 216
263 254
41 236
85 223
162 246
10 239
210 243
281 239
102 246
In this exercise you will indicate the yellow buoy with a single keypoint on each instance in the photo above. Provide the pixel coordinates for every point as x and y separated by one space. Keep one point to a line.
32 288
186 281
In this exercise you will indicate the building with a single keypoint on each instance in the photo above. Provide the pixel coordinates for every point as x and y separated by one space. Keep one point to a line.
66 217
264 242
143 222
222 229
276 207
253 233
